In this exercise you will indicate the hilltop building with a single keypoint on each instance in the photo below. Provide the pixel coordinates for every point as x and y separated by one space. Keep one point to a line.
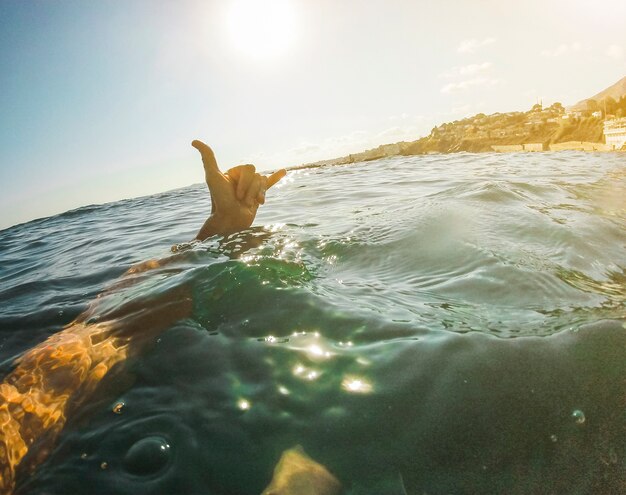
615 133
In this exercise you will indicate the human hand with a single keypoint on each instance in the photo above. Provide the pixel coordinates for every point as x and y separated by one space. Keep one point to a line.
235 195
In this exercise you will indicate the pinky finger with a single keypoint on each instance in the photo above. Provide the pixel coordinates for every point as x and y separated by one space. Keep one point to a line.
275 177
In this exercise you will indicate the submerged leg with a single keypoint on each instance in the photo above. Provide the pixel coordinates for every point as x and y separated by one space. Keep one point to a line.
297 474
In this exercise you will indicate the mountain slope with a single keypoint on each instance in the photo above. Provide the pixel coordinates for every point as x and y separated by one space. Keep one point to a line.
616 91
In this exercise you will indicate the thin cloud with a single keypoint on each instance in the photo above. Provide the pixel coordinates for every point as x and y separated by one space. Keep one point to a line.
562 49
410 127
471 45
458 87
615 52
466 70
405 117
463 109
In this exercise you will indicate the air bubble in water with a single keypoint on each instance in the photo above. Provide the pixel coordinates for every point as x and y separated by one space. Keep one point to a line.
147 456
579 417
117 408
553 438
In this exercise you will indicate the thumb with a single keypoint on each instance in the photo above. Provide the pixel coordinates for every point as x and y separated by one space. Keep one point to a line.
208 158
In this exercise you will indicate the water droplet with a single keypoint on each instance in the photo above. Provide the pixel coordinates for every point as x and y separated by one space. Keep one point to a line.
147 456
104 465
554 438
117 408
579 417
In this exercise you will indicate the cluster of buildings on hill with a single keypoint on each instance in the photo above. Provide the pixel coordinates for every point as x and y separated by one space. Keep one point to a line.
614 130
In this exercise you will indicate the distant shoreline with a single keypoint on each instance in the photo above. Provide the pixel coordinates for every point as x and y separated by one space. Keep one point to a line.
540 129
338 161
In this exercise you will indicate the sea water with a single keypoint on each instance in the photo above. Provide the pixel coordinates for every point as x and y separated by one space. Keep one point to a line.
432 324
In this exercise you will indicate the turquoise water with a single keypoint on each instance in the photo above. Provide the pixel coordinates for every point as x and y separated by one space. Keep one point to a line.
432 324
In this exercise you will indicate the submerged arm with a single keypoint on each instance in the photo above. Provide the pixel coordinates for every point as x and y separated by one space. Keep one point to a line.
60 373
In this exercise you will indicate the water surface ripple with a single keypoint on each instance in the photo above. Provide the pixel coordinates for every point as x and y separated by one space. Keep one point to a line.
433 324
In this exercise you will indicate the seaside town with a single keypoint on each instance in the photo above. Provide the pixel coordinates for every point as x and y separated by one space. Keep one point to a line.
594 124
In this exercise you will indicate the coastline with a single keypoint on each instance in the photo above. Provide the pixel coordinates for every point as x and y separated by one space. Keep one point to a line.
588 147
540 129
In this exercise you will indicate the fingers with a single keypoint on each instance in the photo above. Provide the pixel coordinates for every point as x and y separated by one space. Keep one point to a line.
246 175
208 158
275 177
250 186
268 182
256 192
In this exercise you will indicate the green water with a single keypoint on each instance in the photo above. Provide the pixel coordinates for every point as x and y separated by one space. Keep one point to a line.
423 325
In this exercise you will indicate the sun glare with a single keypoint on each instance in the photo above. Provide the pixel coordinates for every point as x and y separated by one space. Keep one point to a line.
261 29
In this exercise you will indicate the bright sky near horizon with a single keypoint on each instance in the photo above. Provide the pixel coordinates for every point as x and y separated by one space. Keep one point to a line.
100 100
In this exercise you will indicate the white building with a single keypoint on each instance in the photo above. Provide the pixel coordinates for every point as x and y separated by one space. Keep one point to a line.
615 133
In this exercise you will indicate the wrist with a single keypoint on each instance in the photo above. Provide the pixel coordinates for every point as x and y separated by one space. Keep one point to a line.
219 224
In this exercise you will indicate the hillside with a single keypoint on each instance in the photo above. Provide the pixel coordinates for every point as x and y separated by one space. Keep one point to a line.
538 129
615 92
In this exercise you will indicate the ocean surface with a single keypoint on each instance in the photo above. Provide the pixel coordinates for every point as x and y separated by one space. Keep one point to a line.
435 324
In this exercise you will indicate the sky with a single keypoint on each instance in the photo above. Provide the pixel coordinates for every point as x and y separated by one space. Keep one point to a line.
99 100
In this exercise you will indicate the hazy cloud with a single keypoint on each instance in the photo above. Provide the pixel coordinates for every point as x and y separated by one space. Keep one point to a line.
305 148
395 134
405 117
562 49
457 87
471 45
406 128
615 51
466 70
463 109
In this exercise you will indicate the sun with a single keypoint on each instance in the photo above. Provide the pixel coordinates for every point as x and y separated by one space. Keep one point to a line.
261 29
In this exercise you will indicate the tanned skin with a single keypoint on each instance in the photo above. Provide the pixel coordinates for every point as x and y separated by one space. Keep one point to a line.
54 378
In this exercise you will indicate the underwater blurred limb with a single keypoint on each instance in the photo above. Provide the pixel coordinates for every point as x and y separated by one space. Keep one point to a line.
235 195
297 474
53 378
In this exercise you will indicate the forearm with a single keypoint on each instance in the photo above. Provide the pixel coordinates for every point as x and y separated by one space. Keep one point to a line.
209 229
34 397
60 373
